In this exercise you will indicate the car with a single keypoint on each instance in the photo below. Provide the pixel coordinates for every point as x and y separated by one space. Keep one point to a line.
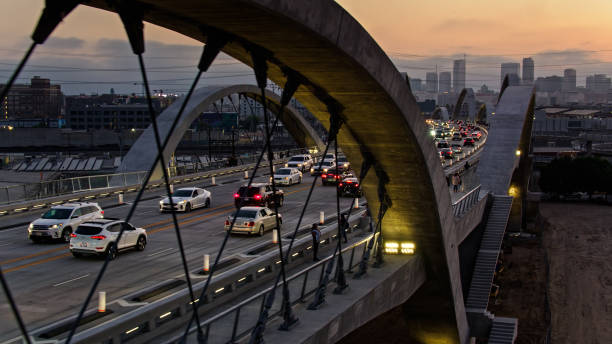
476 135
302 162
446 153
330 178
61 220
258 194
456 136
443 144
323 167
343 163
186 199
329 157
253 220
349 187
468 141
457 149
98 238
287 176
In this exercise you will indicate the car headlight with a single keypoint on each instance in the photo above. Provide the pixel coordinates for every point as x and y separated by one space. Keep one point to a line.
286 178
30 226
299 165
312 170
286 165
324 170
161 202
182 202
345 165
54 226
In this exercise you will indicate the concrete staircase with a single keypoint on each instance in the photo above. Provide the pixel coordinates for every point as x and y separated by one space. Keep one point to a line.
486 259
503 331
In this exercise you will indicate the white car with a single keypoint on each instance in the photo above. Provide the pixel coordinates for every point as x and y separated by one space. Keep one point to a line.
329 157
186 199
60 221
303 162
97 238
319 168
287 176
253 220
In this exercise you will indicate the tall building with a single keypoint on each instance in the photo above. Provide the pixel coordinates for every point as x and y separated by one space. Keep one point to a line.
528 71
39 99
445 82
458 75
551 83
569 79
416 84
431 82
598 83
512 70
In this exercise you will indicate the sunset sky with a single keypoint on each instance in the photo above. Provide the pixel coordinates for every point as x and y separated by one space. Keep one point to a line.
418 35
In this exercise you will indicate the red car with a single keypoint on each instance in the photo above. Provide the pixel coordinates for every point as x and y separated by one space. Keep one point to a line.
468 141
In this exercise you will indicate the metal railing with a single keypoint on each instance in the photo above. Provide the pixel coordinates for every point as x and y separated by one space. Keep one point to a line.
239 320
464 203
67 186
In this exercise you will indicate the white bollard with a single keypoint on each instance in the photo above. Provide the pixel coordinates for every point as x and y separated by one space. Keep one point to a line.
275 236
321 217
246 174
102 302
120 198
171 188
273 168
213 181
356 204
206 262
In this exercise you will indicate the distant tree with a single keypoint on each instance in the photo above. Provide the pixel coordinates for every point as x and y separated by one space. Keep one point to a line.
585 174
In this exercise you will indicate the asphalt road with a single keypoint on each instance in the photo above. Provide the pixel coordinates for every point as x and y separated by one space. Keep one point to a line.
49 284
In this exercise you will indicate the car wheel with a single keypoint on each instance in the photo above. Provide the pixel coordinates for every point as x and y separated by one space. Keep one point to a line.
66 235
261 230
207 204
141 243
111 251
76 255
188 207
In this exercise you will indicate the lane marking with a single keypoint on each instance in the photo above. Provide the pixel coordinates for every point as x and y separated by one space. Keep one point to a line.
159 252
71 280
50 259
33 255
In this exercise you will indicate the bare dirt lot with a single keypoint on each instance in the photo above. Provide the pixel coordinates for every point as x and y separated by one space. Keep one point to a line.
576 237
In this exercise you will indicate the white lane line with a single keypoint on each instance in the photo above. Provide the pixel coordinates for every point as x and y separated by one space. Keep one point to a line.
72 280
6 244
159 252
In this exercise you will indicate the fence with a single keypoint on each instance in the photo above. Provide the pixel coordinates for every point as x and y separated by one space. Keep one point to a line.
465 203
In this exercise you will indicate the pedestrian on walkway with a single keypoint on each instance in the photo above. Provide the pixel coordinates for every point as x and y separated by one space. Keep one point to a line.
343 223
455 182
316 237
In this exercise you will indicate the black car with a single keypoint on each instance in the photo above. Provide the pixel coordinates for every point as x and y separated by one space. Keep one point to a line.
258 194
349 187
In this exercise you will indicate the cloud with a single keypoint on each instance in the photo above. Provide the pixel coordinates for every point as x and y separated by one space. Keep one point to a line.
466 24
64 43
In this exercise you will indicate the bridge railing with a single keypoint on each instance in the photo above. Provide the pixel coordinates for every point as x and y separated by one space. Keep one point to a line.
464 203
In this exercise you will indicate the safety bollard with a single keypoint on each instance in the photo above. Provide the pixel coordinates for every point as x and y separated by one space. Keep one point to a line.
120 198
273 168
206 262
356 204
102 302
246 174
321 217
171 188
275 236
213 182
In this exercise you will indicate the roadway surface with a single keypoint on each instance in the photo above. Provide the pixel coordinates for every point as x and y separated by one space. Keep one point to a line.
49 284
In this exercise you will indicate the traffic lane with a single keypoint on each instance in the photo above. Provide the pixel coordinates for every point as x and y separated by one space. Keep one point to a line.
136 270
18 248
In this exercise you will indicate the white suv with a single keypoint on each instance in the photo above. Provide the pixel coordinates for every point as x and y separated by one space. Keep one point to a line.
302 162
98 237
60 221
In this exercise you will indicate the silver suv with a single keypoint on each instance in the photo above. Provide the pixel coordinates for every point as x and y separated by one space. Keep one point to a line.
302 162
60 221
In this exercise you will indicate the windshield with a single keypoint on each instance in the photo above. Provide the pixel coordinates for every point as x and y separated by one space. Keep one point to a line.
284 171
329 156
297 158
327 163
88 230
249 214
342 159
57 214
182 193
246 191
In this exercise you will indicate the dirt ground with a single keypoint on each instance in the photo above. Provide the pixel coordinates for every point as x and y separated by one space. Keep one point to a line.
576 238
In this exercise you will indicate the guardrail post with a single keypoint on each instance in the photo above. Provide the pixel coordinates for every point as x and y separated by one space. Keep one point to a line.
356 203
206 265
322 217
275 236
213 182
246 174
171 188
107 181
120 196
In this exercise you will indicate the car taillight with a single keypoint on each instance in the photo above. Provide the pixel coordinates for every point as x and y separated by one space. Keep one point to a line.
257 196
356 184
236 195
102 212
349 181
340 184
251 224
99 237
324 176
72 235
227 223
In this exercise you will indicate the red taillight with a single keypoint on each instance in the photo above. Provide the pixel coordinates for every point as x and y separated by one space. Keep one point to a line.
72 235
349 181
324 176
340 184
356 184
251 224
99 237
102 212
257 196
227 223
236 195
